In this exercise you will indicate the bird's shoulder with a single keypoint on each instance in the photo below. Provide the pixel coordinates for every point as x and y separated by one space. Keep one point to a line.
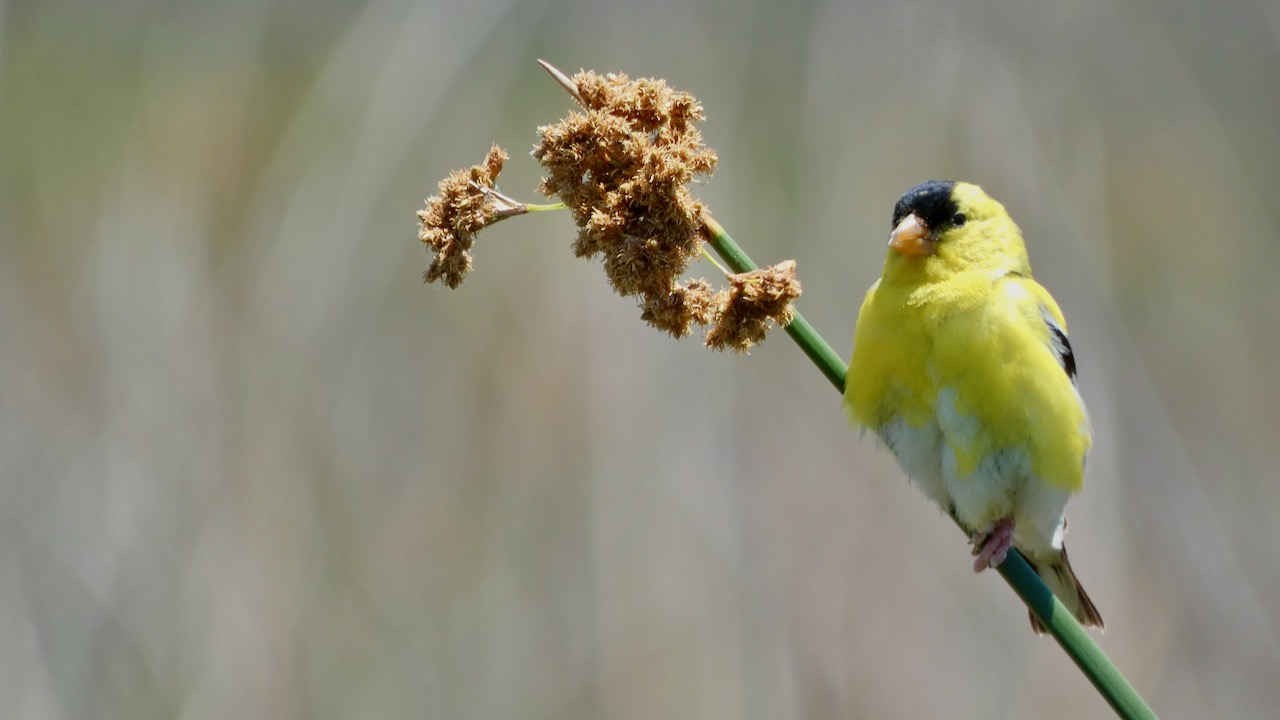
1040 312
1009 322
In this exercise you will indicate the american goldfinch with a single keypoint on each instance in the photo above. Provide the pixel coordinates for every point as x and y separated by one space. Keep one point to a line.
961 366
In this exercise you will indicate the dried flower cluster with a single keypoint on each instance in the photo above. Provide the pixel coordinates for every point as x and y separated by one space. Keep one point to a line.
677 310
451 219
754 301
622 166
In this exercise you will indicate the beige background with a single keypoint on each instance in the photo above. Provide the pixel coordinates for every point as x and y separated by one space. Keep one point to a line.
251 467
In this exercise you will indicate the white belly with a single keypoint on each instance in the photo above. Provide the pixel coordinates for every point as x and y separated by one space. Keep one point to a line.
919 452
1002 485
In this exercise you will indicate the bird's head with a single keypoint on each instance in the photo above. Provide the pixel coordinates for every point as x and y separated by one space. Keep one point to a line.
942 226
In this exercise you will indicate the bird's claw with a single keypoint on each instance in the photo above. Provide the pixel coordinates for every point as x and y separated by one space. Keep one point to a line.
992 547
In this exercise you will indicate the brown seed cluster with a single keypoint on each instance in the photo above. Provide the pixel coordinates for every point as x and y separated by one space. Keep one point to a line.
752 303
623 166
449 223
677 311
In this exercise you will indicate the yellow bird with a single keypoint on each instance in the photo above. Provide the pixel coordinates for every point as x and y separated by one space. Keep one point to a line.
961 366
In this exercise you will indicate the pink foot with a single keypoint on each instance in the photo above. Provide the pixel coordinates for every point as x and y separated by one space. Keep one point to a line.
991 548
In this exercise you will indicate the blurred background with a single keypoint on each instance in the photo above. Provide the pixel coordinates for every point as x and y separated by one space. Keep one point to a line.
251 467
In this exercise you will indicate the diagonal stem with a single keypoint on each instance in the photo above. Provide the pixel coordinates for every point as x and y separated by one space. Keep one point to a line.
799 329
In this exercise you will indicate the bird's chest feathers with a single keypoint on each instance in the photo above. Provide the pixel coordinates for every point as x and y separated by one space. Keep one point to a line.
914 339
940 302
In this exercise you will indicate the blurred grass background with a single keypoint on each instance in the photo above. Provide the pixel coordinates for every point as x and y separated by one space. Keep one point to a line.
251 467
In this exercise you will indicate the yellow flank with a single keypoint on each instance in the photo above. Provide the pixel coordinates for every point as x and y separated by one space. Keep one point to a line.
967 324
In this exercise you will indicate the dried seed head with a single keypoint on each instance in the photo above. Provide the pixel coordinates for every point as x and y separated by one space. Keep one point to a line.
464 205
679 309
623 167
754 301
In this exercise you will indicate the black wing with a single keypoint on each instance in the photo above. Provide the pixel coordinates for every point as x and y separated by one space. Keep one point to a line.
1061 346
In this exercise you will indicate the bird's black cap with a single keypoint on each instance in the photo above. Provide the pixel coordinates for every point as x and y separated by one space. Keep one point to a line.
931 201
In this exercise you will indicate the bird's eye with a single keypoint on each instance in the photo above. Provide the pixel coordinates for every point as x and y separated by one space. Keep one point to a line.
958 219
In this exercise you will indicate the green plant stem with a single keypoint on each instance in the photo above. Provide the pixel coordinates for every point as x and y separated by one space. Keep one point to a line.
1015 570
799 329
530 207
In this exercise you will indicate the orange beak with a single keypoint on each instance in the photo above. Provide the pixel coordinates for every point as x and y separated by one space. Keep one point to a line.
911 237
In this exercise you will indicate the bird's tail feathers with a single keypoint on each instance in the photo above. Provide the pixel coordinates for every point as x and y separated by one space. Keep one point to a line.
1057 574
